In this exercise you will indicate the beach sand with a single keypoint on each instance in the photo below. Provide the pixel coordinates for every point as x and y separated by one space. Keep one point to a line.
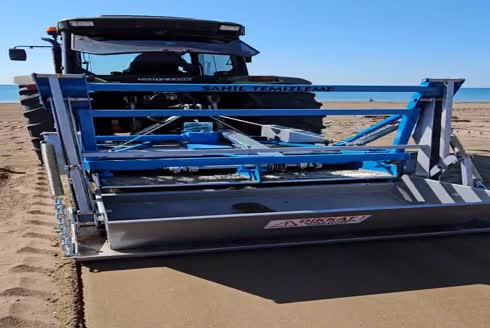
35 281
440 282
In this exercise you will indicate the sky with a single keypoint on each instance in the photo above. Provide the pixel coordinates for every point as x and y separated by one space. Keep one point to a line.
328 42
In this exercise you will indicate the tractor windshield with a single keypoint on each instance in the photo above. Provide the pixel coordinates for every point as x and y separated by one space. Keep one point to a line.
157 57
165 63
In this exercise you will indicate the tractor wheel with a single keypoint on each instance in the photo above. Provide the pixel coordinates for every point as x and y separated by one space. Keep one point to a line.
37 118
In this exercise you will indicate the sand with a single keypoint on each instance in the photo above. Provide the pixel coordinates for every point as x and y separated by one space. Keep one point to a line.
421 283
440 282
35 282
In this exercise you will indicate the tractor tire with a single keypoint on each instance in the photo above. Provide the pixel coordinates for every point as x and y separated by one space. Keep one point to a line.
37 118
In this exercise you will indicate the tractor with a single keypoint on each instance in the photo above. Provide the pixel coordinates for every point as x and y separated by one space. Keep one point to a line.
148 49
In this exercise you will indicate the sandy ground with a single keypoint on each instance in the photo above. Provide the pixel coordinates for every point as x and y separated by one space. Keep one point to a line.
439 282
34 280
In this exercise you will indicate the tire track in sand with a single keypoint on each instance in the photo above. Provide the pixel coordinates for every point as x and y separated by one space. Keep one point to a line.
28 291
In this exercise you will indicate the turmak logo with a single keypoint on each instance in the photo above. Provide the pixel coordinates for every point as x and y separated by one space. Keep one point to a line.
314 222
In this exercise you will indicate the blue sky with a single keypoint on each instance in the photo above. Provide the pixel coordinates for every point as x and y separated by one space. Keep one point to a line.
331 42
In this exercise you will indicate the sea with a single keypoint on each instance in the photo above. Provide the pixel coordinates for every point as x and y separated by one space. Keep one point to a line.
8 94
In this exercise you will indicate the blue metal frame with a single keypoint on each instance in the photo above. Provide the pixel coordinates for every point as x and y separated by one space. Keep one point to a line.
375 127
77 86
267 88
159 163
245 112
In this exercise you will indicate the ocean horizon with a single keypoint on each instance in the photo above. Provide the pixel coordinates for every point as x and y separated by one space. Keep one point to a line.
8 94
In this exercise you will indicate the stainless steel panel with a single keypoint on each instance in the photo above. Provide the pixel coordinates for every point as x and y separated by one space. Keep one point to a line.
197 218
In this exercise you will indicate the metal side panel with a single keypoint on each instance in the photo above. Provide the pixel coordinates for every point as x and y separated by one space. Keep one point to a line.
98 249
284 227
207 219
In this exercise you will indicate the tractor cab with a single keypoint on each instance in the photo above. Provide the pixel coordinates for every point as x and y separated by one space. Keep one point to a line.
146 48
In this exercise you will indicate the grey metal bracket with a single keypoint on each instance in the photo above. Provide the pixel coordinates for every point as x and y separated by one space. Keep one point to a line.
67 133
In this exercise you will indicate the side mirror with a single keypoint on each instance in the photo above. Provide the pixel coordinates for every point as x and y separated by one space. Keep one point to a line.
248 59
17 54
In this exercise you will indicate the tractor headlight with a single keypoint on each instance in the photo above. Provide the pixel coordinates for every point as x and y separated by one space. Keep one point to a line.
232 28
86 23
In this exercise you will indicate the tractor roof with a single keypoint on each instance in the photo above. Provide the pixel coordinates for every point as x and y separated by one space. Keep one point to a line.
152 27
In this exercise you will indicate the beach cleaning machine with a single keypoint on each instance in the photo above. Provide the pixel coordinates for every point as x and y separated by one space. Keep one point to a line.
208 186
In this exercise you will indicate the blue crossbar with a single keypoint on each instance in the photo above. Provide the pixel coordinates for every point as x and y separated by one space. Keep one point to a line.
244 112
154 164
267 88
148 137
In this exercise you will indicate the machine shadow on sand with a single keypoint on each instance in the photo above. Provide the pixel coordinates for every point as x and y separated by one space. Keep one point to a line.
333 271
